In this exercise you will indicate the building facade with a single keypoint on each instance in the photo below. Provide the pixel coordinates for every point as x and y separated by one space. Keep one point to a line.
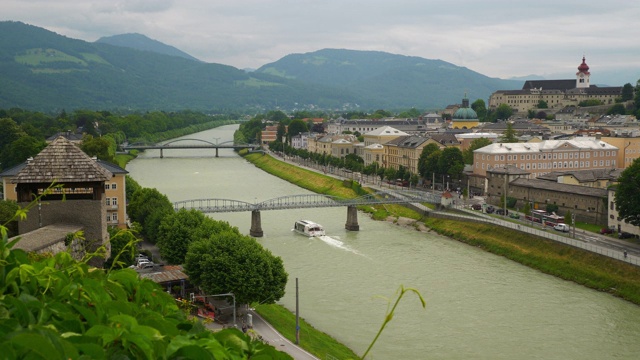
556 93
540 158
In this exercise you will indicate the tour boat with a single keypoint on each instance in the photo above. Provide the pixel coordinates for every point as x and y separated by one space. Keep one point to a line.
308 228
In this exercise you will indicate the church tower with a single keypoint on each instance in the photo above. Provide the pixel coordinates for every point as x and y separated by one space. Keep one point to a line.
582 76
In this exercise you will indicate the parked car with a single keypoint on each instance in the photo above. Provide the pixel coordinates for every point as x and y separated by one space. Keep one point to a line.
562 227
624 235
514 215
476 207
502 212
490 209
607 230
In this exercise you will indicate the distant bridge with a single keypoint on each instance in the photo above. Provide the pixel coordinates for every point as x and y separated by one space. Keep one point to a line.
177 144
308 201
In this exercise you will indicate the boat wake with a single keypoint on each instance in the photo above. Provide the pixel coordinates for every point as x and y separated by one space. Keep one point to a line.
336 243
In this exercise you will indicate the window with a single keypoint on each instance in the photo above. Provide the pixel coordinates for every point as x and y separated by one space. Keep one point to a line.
601 162
108 217
521 157
114 217
108 201
113 186
114 201
607 163
106 186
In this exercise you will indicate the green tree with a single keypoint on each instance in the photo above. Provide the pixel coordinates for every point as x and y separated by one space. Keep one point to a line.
542 105
617 109
390 174
148 207
411 114
509 135
20 150
297 127
503 112
451 162
476 144
590 102
281 132
181 228
99 147
480 107
427 164
627 92
626 196
229 262
568 218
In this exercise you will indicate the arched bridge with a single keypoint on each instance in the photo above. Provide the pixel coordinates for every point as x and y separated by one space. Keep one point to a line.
188 144
308 201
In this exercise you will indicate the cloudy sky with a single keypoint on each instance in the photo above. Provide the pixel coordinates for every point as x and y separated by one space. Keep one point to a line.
498 38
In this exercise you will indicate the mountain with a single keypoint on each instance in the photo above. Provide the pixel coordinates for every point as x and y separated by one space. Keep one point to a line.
41 70
141 42
44 71
389 80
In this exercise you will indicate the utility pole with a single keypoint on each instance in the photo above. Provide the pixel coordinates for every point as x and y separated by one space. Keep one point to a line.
297 316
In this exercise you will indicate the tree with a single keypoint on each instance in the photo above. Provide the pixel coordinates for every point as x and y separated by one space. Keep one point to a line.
229 262
183 227
297 127
509 135
98 147
542 105
427 162
568 218
503 112
480 107
20 150
8 209
390 174
627 92
626 196
411 113
281 132
451 162
476 144
148 207
541 115
617 109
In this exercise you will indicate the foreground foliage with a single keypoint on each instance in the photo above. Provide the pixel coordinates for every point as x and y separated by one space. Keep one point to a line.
54 307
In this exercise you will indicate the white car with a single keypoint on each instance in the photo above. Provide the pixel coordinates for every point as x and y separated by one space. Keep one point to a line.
562 227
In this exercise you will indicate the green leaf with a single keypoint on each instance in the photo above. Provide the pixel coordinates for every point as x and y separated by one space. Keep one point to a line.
35 345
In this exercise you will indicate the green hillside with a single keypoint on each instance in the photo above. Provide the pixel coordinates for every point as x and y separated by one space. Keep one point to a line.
389 80
141 42
42 70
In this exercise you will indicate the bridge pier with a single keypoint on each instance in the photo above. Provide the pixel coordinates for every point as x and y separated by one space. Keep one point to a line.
352 218
216 152
161 155
256 224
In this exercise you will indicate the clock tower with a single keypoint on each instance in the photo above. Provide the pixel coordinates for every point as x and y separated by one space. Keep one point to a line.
582 76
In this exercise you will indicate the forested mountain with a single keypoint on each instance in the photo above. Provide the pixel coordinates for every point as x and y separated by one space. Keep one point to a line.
387 79
41 70
141 42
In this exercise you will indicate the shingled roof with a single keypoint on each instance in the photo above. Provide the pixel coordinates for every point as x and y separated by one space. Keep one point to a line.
62 162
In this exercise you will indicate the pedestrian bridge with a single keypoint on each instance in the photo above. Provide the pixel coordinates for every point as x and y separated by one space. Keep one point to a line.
189 144
308 201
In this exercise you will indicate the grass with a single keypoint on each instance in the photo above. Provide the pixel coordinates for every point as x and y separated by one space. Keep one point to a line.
583 267
312 340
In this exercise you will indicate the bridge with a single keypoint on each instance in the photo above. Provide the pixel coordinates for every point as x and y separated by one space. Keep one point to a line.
179 144
308 201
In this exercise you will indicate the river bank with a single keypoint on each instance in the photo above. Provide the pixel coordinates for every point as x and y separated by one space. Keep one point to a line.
582 267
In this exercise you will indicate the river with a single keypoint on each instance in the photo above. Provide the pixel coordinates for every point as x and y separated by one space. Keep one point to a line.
479 305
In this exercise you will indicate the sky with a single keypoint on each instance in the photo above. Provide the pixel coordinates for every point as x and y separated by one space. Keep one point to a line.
497 38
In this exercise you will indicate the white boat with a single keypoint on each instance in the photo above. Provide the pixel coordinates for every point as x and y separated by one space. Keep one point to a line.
308 228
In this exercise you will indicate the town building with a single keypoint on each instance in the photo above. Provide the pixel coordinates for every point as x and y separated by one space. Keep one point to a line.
361 126
629 145
588 204
373 150
405 151
539 158
557 94
78 203
465 117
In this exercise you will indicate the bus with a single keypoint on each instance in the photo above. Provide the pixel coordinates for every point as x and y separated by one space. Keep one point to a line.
543 217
